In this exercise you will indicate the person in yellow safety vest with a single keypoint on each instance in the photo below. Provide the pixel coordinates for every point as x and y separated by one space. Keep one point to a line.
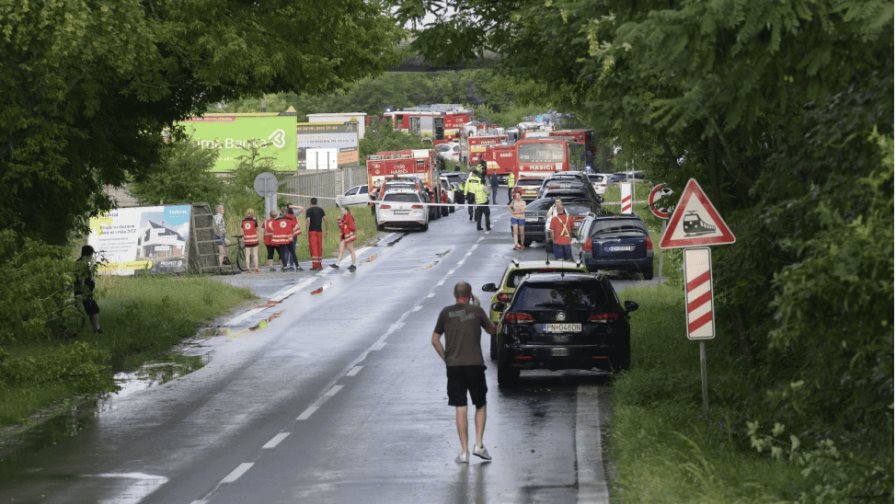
482 208
511 181
473 181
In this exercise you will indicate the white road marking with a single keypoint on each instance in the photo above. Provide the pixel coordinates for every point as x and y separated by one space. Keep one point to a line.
308 412
275 441
353 371
379 346
199 502
441 282
243 316
236 473
292 290
431 294
333 391
592 481
461 262
417 308
451 271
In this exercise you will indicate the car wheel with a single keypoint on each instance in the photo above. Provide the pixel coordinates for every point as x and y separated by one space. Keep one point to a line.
648 273
425 227
380 227
508 376
445 212
493 348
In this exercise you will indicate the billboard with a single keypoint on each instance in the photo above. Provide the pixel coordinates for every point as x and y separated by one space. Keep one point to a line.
232 134
142 238
340 138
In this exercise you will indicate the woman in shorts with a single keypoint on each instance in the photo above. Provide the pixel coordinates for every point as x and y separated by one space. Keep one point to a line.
347 237
518 221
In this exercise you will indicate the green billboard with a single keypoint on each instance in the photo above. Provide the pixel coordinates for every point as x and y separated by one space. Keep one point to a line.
232 134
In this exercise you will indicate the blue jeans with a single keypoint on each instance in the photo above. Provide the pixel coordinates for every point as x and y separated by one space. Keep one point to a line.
563 252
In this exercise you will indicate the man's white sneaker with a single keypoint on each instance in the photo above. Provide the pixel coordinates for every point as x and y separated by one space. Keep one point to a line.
481 452
463 458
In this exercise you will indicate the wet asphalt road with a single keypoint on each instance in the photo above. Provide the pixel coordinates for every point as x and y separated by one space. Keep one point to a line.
340 398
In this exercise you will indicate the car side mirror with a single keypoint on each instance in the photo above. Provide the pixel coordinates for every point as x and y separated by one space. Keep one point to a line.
630 306
490 287
498 306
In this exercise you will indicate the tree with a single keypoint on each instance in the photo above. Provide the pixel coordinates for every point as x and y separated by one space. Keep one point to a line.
88 86
181 176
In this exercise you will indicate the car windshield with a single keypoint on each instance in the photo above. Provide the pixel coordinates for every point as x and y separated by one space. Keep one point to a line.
402 197
578 296
615 226
542 152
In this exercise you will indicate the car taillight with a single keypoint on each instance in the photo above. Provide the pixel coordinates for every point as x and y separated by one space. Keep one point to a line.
417 207
518 318
587 246
649 244
603 317
385 206
504 297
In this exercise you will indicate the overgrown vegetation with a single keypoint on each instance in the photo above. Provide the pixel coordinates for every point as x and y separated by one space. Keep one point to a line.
784 112
142 317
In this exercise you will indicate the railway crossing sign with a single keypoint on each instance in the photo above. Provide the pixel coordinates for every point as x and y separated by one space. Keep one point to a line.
695 222
627 197
699 309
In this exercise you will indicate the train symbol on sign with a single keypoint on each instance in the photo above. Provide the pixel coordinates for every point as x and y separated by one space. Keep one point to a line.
693 225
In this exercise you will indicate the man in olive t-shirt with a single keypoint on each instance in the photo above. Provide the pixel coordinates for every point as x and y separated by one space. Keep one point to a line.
462 323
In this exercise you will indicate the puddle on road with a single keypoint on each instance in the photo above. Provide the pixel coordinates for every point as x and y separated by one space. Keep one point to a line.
55 425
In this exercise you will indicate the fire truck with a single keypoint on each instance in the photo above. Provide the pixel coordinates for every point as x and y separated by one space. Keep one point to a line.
501 157
478 144
582 136
439 125
415 166
539 157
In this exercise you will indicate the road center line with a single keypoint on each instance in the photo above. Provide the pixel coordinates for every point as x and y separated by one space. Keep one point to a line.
236 473
417 308
333 391
275 441
308 412
431 294
353 371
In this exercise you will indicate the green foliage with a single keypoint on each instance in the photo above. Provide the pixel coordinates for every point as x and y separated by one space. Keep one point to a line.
181 176
381 137
239 192
88 86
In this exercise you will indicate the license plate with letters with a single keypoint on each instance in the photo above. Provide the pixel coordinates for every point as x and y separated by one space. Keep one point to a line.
560 328
559 352
621 248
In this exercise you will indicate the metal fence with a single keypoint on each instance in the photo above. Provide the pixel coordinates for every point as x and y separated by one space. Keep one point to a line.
324 185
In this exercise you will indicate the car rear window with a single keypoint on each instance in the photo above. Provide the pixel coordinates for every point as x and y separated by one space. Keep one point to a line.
576 209
615 226
529 182
570 296
402 197
597 178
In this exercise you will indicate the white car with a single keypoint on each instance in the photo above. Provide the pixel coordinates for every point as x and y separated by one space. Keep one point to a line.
355 196
402 208
449 151
599 181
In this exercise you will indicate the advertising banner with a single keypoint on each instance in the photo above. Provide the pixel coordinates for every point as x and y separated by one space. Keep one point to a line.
232 134
142 238
340 136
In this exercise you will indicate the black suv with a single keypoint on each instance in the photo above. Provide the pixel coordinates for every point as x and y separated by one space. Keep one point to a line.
563 321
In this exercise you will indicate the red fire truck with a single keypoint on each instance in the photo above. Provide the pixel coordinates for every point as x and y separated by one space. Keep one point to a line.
478 144
582 136
412 165
501 157
440 126
539 157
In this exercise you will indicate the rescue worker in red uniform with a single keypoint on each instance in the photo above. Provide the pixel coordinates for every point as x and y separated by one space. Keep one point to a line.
291 213
250 239
282 238
561 228
347 237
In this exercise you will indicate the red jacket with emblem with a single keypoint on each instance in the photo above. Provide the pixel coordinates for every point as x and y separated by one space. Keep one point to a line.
250 231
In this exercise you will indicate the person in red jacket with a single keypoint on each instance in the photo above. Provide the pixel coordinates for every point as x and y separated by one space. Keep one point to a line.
250 239
347 237
561 229
292 212
283 229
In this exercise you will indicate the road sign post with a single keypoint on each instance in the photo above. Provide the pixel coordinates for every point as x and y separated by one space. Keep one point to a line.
626 201
661 212
266 185
695 225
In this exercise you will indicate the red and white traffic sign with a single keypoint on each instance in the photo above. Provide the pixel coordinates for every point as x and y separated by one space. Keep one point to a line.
626 189
659 191
699 311
695 222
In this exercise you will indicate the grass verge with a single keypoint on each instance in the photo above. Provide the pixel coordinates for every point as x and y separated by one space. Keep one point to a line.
663 448
142 318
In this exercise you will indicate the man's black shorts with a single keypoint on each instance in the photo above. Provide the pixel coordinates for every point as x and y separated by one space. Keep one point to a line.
466 378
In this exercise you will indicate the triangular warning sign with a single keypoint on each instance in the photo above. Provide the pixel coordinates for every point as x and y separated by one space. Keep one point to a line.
695 222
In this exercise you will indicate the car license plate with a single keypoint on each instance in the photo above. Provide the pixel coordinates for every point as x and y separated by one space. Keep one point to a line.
559 352
401 212
563 328
621 248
